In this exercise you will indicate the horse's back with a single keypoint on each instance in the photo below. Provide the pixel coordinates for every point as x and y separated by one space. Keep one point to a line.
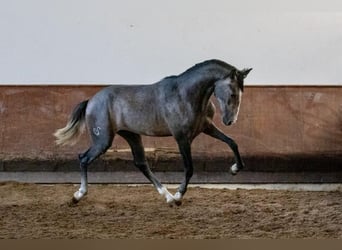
134 108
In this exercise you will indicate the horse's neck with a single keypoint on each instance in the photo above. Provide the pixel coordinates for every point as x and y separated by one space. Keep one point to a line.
197 93
201 83
205 74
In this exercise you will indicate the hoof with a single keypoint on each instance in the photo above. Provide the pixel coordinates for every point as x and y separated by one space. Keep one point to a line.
174 202
234 169
74 200
78 195
233 173
178 199
178 203
170 201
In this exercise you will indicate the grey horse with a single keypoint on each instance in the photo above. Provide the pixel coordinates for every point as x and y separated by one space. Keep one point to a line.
177 106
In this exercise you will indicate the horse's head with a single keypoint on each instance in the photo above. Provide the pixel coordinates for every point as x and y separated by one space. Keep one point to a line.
228 92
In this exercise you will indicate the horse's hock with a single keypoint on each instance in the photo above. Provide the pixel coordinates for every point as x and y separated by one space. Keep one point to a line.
285 134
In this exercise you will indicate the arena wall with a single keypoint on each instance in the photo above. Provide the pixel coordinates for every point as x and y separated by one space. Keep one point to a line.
293 129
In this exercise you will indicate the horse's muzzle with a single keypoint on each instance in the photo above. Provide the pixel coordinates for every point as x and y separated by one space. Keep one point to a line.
227 121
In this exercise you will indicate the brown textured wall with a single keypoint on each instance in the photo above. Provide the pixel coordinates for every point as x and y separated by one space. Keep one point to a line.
273 121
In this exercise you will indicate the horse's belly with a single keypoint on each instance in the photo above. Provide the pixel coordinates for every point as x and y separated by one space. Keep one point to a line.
156 132
149 126
149 131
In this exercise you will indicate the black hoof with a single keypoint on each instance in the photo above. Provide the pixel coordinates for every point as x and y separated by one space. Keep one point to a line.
178 203
74 200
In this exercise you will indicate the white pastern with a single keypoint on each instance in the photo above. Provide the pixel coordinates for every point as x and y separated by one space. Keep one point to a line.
78 195
234 169
168 196
178 196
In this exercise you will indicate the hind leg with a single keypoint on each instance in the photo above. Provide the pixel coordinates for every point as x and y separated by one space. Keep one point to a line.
134 140
102 139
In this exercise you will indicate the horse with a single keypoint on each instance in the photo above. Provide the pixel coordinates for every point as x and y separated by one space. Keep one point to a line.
177 106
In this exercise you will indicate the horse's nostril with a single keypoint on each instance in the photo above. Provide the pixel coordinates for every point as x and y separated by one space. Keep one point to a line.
227 121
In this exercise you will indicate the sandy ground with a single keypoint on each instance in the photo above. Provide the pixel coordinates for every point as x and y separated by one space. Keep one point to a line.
30 211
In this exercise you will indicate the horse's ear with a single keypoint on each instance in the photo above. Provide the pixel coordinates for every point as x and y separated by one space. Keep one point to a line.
245 72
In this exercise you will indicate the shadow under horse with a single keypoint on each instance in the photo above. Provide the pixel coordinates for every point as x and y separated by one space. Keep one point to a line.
177 106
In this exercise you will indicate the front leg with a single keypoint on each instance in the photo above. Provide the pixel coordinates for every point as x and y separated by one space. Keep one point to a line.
213 131
185 150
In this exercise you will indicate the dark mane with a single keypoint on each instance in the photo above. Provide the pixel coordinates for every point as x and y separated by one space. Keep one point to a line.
168 77
208 63
206 66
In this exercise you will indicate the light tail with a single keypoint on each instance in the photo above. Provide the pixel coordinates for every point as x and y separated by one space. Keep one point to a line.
70 134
